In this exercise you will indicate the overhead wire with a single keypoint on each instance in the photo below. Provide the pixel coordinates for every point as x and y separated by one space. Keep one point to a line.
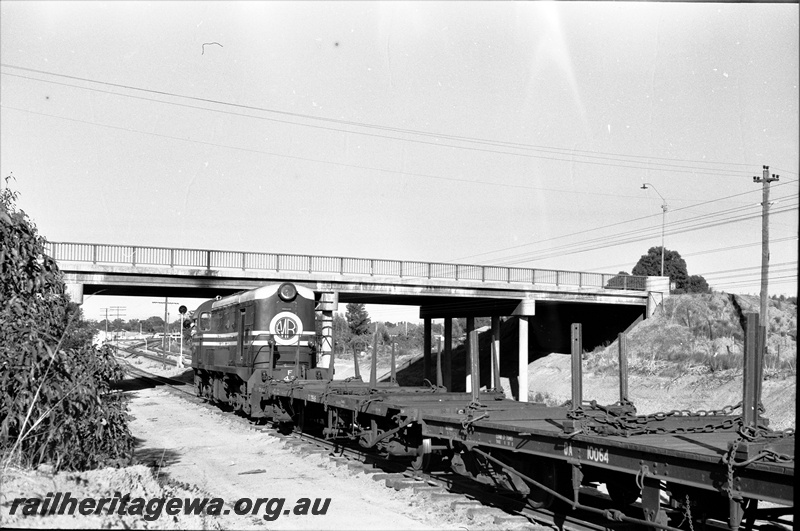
707 251
473 140
616 224
635 235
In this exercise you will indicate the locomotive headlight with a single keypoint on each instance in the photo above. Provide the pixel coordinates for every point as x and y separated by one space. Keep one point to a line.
287 292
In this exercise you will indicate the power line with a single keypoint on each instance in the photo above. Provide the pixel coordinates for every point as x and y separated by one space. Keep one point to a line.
578 233
788 279
629 237
321 161
645 163
707 251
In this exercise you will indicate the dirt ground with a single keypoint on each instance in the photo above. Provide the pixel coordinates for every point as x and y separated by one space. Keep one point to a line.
194 451
550 377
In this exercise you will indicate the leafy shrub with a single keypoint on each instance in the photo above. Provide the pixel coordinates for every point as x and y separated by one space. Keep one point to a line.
56 406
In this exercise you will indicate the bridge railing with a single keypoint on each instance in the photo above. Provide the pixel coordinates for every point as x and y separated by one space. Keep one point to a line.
128 255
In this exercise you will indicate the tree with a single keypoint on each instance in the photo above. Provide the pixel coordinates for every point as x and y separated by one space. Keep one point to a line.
153 324
619 281
341 332
697 284
357 319
674 266
55 404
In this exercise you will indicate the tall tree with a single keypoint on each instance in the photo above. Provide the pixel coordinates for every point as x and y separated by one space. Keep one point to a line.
55 404
358 320
674 266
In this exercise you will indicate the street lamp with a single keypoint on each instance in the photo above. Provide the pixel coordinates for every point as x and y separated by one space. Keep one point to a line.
663 218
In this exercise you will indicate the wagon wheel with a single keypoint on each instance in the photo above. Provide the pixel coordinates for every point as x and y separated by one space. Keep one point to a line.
546 474
423 460
623 489
421 463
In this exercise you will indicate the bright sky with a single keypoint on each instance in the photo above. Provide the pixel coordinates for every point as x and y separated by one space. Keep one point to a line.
490 133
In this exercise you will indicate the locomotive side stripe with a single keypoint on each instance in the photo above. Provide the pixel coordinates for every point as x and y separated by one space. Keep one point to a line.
234 343
251 334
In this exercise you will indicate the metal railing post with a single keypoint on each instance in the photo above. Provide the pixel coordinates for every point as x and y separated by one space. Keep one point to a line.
94 253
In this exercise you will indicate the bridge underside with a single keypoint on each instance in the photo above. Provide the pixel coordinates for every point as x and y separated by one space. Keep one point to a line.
544 312
437 299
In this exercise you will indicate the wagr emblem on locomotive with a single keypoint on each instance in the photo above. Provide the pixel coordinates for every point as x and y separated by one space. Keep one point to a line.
286 328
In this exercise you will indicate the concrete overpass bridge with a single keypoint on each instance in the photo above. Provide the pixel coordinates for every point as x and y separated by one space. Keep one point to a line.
547 301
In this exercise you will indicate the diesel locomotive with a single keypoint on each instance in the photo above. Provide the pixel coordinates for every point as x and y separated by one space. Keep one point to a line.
243 341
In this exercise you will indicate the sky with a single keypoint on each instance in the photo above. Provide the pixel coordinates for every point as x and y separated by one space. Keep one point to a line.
515 134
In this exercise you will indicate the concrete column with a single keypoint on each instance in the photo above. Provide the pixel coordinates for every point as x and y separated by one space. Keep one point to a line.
523 358
75 292
467 350
328 303
657 290
447 377
427 358
495 362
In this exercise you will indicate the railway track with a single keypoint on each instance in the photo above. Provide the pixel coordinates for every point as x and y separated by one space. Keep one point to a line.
479 502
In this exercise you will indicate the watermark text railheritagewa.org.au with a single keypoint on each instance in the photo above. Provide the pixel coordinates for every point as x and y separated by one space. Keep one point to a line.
151 509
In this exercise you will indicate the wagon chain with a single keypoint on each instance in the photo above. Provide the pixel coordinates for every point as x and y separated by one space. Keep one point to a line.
618 420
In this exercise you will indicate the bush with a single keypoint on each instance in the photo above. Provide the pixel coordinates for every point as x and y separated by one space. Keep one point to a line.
56 406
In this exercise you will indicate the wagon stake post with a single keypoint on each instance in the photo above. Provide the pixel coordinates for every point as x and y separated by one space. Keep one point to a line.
373 373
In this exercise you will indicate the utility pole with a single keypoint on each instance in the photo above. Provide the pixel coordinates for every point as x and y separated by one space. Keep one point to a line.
765 180
106 310
664 207
761 343
165 340
118 311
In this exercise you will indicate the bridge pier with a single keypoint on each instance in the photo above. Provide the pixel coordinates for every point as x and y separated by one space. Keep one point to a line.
494 365
523 359
447 376
427 357
468 352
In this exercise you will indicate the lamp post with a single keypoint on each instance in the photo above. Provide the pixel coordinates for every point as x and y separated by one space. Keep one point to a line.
663 218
